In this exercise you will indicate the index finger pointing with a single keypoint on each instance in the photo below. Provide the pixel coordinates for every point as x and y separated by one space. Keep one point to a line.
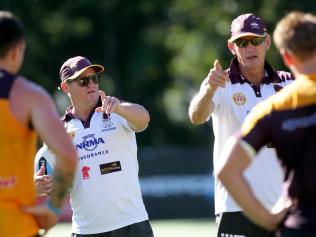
102 94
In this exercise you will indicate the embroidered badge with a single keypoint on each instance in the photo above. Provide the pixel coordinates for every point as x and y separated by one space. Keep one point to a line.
85 172
110 167
239 98
72 133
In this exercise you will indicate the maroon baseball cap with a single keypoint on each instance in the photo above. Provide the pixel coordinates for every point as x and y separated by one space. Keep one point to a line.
247 25
73 67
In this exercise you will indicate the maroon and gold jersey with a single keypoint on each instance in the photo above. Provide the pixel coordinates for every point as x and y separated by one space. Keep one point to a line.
17 151
287 121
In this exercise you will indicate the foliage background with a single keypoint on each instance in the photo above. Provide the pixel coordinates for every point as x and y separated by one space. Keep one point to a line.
155 52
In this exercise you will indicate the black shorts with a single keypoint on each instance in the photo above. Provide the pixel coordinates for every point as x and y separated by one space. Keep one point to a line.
284 232
141 229
236 224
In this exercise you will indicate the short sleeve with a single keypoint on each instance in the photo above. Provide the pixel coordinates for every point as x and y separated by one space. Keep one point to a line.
255 128
123 122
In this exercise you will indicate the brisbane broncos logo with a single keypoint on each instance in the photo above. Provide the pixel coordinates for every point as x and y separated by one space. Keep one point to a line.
239 98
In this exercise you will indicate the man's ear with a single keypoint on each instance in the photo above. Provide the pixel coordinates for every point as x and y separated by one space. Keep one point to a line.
268 41
287 57
230 45
63 87
13 52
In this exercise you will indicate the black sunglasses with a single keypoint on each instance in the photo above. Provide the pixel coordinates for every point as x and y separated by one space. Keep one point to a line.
84 81
243 42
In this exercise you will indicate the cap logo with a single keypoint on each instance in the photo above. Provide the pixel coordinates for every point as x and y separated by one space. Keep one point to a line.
254 24
76 65
247 24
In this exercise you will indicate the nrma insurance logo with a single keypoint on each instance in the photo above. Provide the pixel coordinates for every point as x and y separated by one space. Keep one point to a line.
89 143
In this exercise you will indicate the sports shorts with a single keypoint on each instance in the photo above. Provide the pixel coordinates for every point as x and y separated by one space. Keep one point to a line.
285 232
235 224
141 229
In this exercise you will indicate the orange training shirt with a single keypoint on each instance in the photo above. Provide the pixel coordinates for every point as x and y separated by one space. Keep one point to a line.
17 151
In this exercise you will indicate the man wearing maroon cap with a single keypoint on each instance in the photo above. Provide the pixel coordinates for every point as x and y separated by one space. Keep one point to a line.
105 198
227 96
288 121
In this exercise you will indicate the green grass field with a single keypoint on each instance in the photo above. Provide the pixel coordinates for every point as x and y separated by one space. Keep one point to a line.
162 228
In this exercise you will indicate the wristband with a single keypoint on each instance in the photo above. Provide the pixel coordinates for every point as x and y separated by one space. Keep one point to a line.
50 205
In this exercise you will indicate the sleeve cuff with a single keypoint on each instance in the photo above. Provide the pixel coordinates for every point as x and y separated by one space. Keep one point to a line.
251 152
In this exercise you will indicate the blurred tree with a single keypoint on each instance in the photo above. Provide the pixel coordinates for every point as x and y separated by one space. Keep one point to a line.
155 52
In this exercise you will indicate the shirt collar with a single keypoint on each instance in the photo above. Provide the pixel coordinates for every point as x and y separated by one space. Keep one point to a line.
69 114
237 77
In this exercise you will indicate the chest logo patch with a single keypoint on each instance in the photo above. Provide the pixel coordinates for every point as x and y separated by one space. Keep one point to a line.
108 125
239 98
85 172
7 182
90 142
110 167
71 133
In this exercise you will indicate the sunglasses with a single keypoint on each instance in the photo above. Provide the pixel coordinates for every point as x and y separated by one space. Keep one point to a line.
84 81
243 42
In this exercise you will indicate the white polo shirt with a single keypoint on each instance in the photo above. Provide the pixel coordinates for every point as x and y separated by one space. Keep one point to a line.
232 104
106 194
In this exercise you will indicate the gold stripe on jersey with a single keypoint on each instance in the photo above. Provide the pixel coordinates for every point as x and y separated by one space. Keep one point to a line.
300 93
248 149
18 144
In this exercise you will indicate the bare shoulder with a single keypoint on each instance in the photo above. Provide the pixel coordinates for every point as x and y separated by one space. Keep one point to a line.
26 95
29 90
